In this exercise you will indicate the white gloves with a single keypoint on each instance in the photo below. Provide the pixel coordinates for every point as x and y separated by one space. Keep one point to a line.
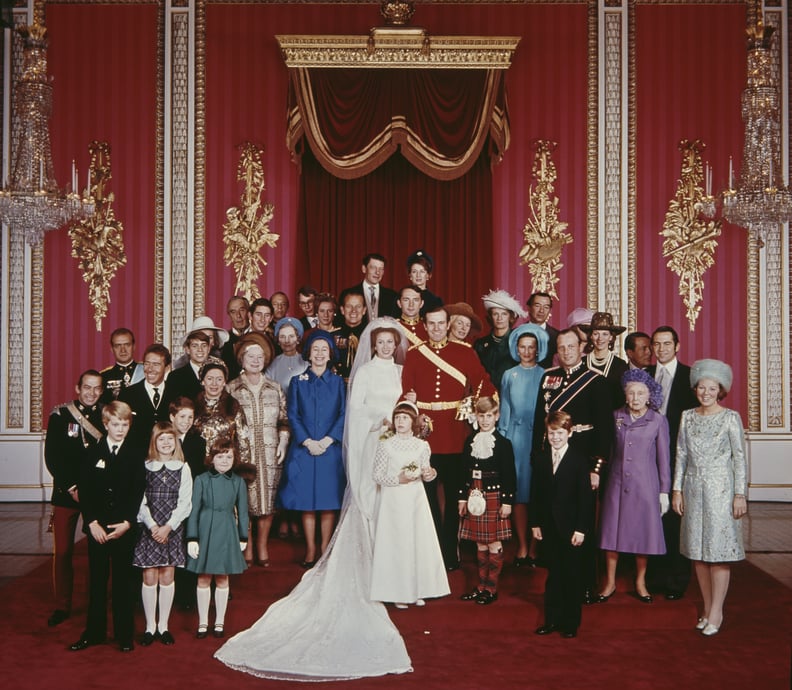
242 545
664 504
192 549
313 447
283 445
318 447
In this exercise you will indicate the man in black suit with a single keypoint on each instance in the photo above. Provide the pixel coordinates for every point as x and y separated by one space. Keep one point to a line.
184 380
73 429
560 513
670 573
585 395
111 486
638 348
150 398
540 304
379 300
126 371
238 310
306 300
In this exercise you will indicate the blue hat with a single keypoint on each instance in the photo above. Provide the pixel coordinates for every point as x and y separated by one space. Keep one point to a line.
290 321
542 340
318 334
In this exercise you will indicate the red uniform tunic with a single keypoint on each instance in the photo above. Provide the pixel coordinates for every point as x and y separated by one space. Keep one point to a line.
439 392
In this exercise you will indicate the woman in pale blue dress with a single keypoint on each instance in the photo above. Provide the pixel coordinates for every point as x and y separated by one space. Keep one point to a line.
710 480
519 390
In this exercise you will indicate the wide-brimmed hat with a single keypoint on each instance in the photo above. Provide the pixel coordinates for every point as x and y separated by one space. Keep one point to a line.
579 316
713 369
464 309
318 334
289 321
602 321
417 256
542 340
252 339
500 299
205 323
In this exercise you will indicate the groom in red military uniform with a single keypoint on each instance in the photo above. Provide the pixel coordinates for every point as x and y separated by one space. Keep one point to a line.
438 376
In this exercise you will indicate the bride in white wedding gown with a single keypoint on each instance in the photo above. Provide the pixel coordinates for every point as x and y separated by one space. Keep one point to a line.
327 628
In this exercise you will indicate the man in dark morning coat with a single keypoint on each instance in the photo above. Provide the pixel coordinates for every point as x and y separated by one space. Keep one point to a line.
585 395
150 398
73 429
184 380
670 573
379 300
111 486
540 305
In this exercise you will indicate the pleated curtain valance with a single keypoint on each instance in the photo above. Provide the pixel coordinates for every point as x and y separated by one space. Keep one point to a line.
355 119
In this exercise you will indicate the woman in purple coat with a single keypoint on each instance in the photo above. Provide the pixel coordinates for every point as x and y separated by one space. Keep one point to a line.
639 480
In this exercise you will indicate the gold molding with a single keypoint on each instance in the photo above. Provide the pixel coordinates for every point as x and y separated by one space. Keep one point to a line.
632 167
199 182
159 192
592 157
399 48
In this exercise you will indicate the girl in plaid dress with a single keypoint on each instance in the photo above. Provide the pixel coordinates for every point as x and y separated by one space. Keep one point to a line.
160 545
489 469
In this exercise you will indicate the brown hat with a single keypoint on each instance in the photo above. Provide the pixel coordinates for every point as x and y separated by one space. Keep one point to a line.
602 321
464 309
250 339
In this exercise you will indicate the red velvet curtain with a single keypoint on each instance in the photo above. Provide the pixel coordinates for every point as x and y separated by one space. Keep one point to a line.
448 127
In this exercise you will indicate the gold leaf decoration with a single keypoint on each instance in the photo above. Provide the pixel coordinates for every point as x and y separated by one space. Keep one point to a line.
690 238
544 234
247 229
98 241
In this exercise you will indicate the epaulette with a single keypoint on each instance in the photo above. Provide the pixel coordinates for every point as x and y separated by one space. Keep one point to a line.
106 369
58 407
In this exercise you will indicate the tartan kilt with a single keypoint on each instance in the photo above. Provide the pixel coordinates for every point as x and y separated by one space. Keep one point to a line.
489 527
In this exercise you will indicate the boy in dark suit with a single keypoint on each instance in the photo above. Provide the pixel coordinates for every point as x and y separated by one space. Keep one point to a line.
111 485
560 517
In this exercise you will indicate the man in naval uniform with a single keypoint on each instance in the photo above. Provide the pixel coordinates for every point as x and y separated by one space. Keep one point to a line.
441 377
584 394
73 428
126 370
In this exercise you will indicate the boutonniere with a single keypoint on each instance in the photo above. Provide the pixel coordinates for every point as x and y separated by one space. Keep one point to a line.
304 377
101 464
553 382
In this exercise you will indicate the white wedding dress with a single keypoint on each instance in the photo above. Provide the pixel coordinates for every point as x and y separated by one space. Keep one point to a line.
328 628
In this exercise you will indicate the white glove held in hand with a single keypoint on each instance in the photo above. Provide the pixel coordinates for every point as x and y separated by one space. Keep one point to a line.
242 545
664 504
192 549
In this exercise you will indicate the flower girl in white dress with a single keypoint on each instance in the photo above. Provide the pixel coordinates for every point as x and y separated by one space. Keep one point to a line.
408 564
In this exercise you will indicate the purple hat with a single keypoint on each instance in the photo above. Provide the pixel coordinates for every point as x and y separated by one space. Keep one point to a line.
640 376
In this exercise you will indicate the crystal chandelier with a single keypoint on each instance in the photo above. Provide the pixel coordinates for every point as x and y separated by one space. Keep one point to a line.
31 201
760 201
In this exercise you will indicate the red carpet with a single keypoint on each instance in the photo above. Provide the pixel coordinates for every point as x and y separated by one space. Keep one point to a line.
453 644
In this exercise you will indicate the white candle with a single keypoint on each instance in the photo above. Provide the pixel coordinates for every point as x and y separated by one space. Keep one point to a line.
74 188
88 193
41 173
731 174
770 174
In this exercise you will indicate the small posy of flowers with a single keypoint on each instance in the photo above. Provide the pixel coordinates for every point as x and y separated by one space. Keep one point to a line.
411 471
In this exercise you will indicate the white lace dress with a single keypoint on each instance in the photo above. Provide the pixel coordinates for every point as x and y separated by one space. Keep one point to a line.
328 628
408 564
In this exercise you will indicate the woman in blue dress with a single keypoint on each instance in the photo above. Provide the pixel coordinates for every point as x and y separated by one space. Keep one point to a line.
314 479
519 390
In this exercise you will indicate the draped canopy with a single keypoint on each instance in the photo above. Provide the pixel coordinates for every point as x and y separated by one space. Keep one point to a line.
449 127
355 119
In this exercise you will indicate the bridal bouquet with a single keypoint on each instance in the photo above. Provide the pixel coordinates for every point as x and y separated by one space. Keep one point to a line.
411 471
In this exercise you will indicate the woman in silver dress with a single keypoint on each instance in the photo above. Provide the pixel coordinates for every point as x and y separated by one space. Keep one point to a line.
709 487
264 404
